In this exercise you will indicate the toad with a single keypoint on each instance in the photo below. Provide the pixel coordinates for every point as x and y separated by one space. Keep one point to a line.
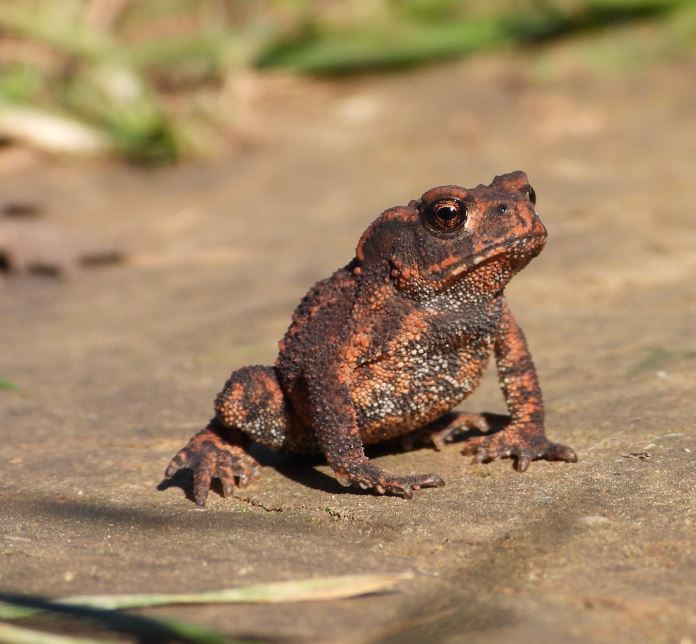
389 345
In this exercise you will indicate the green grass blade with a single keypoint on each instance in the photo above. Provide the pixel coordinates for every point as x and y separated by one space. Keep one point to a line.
325 49
364 48
10 634
6 384
319 589
150 629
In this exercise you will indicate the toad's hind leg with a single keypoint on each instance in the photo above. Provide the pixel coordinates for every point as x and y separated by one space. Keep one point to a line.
250 408
445 429
253 402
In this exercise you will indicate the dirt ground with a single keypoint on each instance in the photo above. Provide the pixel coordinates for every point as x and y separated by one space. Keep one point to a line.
118 366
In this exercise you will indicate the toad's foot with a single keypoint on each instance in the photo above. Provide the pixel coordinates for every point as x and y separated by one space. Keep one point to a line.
523 442
445 430
369 477
210 456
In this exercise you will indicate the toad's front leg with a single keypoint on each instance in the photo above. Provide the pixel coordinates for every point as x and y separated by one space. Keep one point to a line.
523 439
334 422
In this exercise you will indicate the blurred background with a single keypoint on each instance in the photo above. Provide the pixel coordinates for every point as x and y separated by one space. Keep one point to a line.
165 80
175 174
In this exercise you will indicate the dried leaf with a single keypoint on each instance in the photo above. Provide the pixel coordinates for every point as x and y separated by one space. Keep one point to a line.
51 132
318 589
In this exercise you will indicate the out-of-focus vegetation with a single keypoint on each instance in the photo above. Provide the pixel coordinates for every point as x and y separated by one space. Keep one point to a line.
409 32
6 384
154 81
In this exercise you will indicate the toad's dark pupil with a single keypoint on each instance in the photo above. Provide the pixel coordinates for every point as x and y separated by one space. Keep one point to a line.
447 213
532 194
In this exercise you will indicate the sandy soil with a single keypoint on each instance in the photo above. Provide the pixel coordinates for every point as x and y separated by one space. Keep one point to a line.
117 367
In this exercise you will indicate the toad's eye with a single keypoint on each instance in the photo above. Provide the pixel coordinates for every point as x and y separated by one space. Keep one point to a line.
531 194
446 214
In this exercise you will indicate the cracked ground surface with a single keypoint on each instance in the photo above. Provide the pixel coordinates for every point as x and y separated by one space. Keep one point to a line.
117 367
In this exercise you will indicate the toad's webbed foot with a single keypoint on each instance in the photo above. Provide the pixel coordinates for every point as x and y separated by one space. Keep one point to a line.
211 456
523 442
370 477
444 430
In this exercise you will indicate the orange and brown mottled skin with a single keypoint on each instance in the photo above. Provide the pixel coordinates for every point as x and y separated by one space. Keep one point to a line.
391 343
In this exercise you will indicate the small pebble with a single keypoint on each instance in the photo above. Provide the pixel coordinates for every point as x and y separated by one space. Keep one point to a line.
594 520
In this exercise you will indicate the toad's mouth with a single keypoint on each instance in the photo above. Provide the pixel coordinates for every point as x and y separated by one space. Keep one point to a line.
520 246
520 251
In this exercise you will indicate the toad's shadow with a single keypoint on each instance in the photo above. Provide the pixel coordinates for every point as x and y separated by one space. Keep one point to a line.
303 469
